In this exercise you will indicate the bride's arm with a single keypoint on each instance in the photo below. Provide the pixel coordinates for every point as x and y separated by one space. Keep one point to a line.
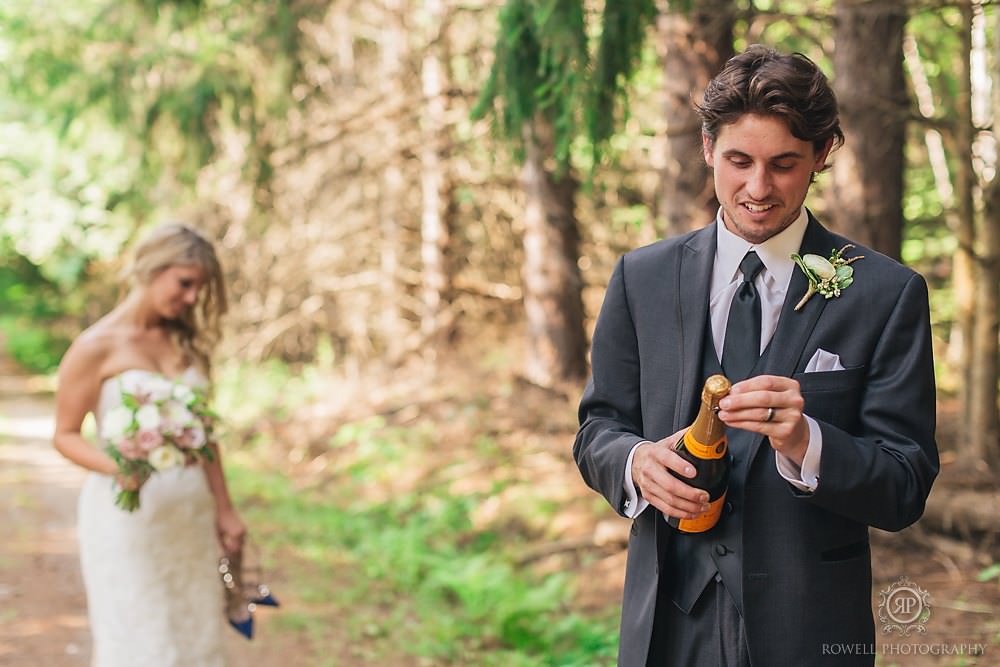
79 384
228 524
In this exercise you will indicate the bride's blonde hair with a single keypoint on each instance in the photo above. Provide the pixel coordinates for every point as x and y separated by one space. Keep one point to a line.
175 244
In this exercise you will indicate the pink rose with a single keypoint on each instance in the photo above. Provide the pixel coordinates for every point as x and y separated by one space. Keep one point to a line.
148 440
191 438
130 449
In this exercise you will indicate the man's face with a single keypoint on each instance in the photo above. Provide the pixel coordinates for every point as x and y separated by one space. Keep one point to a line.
761 174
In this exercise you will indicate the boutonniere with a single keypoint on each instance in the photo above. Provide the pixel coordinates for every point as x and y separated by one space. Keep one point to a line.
826 276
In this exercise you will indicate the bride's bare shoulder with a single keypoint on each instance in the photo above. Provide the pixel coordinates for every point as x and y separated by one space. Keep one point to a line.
93 347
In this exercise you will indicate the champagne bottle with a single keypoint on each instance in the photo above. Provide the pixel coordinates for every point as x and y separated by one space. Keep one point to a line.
704 445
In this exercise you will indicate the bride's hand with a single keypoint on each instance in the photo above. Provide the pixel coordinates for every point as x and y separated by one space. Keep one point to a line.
231 530
131 482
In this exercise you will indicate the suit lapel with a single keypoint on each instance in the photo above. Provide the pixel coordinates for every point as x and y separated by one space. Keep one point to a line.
693 280
795 326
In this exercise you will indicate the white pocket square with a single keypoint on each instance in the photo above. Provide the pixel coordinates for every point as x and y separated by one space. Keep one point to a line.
823 361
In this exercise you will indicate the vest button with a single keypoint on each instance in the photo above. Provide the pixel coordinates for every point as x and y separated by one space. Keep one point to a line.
721 549
728 507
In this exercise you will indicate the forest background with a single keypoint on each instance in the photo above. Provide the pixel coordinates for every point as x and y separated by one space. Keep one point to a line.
418 204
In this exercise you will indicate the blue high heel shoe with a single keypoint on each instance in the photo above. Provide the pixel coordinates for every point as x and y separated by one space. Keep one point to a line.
243 596
265 597
245 628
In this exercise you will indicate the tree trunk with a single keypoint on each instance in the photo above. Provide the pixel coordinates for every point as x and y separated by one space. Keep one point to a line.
692 47
952 200
393 189
963 512
556 342
963 262
390 243
871 90
984 425
343 50
434 225
985 419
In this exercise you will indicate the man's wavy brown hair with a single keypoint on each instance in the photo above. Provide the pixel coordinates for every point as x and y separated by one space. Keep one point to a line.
762 81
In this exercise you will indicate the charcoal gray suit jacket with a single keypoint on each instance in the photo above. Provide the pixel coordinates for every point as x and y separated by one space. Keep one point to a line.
806 563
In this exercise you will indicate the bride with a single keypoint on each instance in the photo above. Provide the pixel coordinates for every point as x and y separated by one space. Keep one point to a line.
154 595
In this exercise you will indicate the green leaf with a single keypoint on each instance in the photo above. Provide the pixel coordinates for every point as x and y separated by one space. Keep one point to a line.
623 33
992 572
810 276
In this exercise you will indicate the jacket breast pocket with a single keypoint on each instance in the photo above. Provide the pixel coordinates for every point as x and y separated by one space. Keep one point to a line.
833 397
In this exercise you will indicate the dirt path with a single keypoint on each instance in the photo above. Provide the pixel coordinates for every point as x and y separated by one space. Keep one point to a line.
43 619
42 606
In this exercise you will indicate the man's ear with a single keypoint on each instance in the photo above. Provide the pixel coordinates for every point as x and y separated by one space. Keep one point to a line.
706 148
820 163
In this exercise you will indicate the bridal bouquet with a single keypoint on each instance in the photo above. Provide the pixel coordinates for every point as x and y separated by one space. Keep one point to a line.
159 424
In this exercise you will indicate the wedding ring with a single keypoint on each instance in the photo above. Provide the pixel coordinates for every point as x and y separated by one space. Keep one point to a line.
770 415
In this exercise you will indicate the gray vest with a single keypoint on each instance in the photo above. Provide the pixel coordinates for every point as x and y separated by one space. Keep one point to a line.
691 561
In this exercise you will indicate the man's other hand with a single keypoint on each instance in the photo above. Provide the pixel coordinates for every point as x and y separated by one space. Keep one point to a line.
651 466
772 406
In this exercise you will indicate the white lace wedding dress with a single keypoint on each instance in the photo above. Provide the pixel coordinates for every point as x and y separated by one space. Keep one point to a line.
153 590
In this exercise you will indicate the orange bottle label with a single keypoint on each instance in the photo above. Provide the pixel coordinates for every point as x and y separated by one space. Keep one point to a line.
715 450
704 521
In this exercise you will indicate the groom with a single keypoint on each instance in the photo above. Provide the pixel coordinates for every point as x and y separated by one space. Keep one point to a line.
831 417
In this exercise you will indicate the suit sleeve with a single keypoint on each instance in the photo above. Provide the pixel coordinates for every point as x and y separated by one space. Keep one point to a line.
610 411
883 477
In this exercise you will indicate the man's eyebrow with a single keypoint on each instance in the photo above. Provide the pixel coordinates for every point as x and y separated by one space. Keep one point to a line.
732 152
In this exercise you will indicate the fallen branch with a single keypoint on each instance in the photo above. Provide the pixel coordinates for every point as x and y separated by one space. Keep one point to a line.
963 513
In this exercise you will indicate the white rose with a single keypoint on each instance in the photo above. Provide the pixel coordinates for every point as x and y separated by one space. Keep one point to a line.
116 423
820 266
148 417
178 415
183 394
165 456
158 388
131 383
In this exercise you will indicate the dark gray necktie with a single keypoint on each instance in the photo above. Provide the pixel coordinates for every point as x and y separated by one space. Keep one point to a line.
742 346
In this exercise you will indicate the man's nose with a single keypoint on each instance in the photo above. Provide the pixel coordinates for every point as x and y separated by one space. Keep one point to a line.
759 184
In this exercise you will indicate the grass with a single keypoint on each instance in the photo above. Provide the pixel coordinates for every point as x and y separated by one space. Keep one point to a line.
403 568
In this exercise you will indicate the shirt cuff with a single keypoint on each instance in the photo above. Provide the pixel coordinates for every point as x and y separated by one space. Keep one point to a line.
634 504
806 477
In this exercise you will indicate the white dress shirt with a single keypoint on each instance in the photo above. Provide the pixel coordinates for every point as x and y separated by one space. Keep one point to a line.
771 284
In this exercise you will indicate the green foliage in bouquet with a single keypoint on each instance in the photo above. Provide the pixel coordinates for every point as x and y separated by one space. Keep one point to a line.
159 424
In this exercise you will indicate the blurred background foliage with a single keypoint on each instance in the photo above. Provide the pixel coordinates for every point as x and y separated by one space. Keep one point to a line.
292 132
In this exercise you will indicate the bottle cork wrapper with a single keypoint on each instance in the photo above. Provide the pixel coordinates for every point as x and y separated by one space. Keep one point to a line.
706 438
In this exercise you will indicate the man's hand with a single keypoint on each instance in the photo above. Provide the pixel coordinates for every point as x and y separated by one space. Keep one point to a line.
770 405
651 464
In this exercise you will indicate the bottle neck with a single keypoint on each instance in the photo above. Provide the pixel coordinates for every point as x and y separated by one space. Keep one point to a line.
708 428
